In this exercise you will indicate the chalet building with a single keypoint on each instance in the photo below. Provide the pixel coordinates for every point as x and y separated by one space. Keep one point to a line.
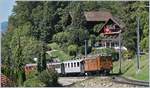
109 31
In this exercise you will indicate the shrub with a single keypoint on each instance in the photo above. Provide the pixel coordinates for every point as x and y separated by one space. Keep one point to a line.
49 77
128 54
31 74
33 82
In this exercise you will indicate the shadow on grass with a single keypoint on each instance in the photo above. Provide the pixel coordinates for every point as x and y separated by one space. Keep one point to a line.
56 85
115 74
128 68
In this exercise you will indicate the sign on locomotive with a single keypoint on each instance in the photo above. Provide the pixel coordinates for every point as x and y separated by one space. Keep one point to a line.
95 64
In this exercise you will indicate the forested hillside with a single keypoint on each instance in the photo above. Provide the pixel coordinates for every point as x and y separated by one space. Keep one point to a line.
35 27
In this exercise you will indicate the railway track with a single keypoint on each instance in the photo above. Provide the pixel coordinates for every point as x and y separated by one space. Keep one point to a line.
69 81
123 80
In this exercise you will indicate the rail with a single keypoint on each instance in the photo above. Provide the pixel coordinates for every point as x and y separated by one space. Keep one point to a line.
124 80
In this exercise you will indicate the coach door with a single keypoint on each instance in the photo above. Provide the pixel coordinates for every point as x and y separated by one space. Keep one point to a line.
82 66
62 68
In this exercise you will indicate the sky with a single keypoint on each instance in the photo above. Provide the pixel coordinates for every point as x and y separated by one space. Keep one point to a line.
6 7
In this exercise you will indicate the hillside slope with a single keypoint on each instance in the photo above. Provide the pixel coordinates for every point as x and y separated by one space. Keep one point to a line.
129 68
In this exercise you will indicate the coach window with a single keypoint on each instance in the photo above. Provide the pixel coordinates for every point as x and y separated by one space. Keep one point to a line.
65 64
74 64
71 64
68 65
77 64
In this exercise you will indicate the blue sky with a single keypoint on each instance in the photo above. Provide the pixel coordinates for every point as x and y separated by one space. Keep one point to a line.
6 7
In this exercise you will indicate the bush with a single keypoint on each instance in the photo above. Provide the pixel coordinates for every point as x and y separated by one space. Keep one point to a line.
31 74
49 77
107 51
33 82
104 51
72 49
128 54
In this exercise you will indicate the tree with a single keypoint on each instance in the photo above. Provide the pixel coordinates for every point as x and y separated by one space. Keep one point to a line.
21 48
72 49
77 14
132 11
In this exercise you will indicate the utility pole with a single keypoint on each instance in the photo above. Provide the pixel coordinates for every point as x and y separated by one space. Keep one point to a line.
138 47
85 47
85 41
120 51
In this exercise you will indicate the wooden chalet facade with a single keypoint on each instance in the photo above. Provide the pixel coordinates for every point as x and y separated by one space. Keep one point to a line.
109 30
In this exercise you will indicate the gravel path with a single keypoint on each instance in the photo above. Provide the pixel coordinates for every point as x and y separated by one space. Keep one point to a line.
94 82
66 81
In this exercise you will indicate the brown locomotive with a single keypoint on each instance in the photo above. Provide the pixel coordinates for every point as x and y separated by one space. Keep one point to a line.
98 64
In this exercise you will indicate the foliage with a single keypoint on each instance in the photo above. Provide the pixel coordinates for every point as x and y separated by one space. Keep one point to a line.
61 37
129 68
108 52
72 50
132 11
97 28
104 51
92 40
33 82
82 49
59 54
128 54
53 46
145 44
33 24
31 74
42 59
49 77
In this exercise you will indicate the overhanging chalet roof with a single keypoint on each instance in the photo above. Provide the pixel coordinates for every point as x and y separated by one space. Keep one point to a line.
97 15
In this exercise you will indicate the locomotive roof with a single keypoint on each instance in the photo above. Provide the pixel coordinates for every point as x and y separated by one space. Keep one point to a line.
94 56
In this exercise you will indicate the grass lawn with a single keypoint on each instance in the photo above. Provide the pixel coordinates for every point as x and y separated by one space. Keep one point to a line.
60 54
129 68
